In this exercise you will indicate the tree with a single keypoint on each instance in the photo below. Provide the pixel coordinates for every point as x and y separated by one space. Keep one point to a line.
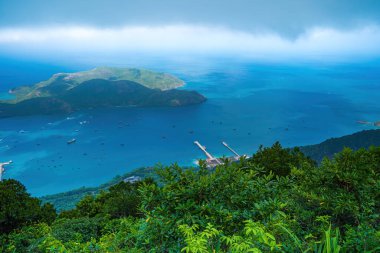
18 208
122 200
280 160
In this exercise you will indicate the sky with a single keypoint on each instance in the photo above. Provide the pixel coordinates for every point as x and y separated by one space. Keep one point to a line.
282 29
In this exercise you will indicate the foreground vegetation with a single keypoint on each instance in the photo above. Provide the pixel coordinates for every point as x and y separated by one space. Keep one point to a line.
277 201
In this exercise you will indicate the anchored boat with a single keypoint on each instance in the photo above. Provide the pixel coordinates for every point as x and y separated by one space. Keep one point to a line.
71 141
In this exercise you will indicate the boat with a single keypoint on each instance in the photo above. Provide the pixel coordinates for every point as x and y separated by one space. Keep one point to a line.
71 141
363 122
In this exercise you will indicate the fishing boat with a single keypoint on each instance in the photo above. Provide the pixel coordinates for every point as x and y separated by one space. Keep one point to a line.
71 141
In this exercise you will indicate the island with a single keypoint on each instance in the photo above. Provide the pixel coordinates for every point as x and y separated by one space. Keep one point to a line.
98 88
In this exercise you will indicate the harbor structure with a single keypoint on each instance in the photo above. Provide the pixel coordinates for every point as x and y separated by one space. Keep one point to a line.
212 161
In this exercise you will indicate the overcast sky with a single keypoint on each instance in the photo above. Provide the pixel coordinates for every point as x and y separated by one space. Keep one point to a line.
249 28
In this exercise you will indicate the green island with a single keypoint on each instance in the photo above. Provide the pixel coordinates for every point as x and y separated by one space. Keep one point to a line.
279 200
100 87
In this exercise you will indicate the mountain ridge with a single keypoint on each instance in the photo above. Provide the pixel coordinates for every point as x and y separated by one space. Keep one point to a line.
355 141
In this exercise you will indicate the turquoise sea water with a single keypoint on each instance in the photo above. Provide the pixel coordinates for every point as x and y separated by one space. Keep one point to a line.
248 104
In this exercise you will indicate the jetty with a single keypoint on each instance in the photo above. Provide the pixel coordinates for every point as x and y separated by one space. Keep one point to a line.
212 161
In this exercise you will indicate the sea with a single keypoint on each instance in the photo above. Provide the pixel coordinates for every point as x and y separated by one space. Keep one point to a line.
248 104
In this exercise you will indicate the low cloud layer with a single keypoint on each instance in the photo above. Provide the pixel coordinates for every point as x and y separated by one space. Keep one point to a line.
316 42
289 18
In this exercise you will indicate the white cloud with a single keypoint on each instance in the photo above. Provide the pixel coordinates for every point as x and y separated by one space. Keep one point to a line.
189 39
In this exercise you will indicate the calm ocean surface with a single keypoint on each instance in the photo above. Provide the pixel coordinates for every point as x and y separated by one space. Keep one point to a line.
248 105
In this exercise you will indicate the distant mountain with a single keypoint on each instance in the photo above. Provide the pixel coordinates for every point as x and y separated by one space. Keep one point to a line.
62 82
328 148
64 94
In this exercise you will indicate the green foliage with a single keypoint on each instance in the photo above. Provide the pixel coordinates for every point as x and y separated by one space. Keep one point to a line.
47 213
255 238
79 229
18 208
27 239
362 238
68 200
278 201
279 160
121 200
346 188
329 244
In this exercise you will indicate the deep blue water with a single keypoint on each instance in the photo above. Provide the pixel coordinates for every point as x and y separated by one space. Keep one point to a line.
248 104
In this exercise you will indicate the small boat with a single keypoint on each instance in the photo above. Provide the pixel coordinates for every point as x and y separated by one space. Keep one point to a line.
363 122
71 141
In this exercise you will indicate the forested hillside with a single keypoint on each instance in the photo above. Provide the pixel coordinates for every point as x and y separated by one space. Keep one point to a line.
362 139
277 201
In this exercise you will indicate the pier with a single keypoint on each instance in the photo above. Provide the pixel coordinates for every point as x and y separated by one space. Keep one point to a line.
212 161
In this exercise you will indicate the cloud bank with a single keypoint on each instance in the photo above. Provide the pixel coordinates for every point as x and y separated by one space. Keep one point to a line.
289 18
317 42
